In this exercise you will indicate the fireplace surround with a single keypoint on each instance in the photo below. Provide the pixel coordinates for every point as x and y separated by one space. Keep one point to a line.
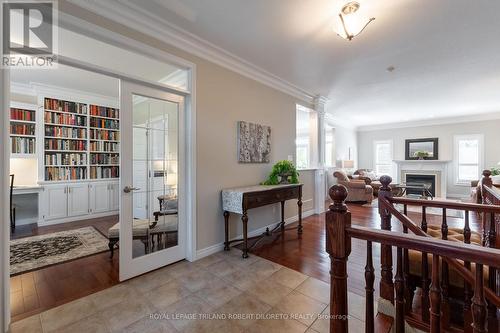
436 168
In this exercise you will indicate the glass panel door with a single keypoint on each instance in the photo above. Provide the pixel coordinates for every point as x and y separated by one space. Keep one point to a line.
152 216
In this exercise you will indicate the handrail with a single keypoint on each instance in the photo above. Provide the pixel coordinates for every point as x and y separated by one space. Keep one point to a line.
446 204
466 252
464 272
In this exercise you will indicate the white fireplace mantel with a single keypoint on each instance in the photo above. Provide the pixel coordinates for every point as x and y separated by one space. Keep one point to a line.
439 168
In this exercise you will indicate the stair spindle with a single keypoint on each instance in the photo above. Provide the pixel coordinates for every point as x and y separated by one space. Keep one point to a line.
370 279
424 298
435 297
445 281
399 286
467 286
408 288
479 303
492 276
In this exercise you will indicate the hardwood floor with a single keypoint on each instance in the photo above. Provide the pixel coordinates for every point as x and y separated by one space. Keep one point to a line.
307 253
36 291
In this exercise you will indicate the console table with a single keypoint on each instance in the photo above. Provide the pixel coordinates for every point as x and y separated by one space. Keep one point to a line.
240 200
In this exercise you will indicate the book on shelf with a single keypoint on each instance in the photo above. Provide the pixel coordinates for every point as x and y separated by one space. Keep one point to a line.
100 172
99 158
66 106
102 111
22 114
70 159
96 134
65 173
65 119
65 132
21 145
61 144
104 146
22 129
104 123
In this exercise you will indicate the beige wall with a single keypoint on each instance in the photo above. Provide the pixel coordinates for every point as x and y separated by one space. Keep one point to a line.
445 133
223 97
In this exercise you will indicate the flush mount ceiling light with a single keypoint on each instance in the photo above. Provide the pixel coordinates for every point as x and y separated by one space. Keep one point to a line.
352 22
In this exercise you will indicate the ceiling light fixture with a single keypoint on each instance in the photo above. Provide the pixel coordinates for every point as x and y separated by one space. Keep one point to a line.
351 21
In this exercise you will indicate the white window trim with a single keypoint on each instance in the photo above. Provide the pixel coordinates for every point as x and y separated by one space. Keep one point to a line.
313 143
456 139
377 142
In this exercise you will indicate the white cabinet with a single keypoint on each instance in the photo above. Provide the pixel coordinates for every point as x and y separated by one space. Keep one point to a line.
55 206
99 197
78 199
104 197
75 201
114 189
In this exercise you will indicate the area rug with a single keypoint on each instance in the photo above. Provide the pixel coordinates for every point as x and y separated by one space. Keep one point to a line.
30 253
428 210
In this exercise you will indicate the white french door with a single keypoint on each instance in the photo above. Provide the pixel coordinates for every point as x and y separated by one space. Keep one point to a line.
152 172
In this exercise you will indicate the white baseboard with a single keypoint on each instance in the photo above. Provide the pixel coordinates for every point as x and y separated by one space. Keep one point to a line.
219 247
42 223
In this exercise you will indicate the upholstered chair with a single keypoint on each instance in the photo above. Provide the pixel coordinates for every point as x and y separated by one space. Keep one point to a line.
370 178
358 190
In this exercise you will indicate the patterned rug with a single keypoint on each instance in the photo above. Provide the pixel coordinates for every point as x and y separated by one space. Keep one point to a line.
35 252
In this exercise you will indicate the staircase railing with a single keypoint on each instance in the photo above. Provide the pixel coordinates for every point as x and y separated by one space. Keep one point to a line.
481 302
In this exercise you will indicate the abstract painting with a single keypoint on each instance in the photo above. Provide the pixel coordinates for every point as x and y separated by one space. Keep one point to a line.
254 143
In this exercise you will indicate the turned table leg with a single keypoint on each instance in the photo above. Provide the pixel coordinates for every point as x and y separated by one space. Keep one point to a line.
226 226
299 205
282 216
244 219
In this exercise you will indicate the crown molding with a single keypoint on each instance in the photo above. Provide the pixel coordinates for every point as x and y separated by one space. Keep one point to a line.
135 17
432 122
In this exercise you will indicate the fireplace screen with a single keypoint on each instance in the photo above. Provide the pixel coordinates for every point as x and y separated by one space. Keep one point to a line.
429 180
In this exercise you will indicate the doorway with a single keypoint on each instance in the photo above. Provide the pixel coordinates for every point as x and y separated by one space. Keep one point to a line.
99 196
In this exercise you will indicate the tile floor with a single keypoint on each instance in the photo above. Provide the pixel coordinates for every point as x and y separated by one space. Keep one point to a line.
219 293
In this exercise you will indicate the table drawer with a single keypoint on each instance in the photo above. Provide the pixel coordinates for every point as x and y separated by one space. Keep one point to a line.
253 200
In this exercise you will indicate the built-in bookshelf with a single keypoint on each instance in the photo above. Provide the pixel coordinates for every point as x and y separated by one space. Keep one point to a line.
81 141
65 141
104 142
22 131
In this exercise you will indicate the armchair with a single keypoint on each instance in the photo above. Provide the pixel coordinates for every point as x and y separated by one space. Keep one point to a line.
370 178
358 190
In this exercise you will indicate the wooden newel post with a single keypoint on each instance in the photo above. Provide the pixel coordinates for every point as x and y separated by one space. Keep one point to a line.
487 181
386 283
338 246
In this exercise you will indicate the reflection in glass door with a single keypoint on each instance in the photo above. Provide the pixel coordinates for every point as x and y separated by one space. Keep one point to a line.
151 181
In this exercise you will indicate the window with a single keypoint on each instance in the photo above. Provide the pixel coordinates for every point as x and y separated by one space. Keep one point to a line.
468 158
329 146
383 157
306 141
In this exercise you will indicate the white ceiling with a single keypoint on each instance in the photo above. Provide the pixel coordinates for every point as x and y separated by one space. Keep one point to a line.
69 78
445 52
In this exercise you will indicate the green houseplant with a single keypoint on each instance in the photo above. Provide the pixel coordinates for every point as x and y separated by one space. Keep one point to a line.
421 154
283 172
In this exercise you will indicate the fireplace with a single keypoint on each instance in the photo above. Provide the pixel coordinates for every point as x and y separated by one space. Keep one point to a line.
429 180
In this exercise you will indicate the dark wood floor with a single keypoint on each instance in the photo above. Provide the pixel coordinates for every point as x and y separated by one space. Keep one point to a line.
307 253
40 290
36 291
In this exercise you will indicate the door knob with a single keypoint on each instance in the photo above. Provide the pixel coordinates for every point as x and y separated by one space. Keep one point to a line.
128 189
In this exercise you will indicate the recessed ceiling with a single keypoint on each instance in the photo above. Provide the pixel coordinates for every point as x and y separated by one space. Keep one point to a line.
445 53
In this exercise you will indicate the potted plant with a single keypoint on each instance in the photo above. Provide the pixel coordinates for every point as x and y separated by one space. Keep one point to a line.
495 174
283 172
421 154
